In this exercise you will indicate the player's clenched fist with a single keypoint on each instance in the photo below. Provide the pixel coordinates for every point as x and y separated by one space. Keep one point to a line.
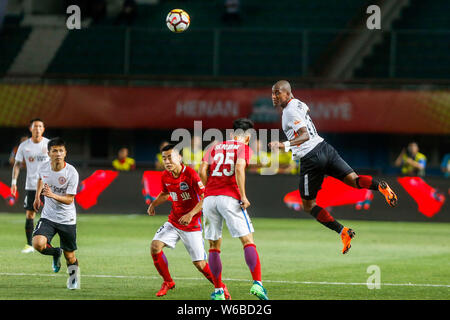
46 191
186 219
244 203
151 210
37 204
276 145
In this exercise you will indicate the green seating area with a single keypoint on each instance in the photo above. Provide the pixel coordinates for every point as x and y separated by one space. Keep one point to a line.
424 54
276 38
267 43
90 51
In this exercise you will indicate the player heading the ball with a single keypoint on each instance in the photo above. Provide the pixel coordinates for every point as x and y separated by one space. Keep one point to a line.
318 159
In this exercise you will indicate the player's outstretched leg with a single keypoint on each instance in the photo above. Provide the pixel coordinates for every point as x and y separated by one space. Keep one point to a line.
203 267
325 218
368 182
162 265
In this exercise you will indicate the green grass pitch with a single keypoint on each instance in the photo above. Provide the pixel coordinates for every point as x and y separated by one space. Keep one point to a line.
300 259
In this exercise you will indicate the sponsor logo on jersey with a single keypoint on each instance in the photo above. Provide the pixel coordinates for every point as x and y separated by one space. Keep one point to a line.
184 186
297 122
61 180
200 185
59 190
30 159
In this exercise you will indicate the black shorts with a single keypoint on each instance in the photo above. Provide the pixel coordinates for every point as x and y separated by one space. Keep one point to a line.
29 199
67 233
320 161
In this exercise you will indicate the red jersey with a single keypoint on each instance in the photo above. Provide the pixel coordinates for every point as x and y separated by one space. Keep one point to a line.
222 160
185 192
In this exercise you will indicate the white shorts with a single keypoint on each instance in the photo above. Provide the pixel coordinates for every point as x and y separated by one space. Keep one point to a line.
192 240
219 208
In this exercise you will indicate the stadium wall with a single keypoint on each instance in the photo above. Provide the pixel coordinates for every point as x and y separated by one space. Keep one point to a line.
266 194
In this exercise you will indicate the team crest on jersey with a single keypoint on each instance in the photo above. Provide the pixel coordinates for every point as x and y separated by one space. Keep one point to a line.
30 159
61 180
184 186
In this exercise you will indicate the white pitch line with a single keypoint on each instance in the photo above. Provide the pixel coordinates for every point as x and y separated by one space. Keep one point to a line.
231 279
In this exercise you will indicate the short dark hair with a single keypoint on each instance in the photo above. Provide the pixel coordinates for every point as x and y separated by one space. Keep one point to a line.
243 124
56 142
34 120
169 147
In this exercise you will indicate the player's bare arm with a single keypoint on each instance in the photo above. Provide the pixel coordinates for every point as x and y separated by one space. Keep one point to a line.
203 172
15 175
240 181
187 218
37 199
302 136
160 199
47 191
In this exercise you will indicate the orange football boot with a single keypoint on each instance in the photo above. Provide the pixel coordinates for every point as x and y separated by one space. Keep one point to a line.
347 236
390 195
166 286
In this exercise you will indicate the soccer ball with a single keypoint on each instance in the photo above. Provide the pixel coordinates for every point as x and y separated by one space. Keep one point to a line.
178 20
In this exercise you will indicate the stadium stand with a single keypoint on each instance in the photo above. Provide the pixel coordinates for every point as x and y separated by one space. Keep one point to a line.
153 50
422 45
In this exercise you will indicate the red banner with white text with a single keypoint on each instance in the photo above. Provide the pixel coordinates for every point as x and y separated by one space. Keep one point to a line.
387 111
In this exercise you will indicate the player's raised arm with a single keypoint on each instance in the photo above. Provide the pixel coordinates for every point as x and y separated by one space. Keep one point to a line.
240 181
160 199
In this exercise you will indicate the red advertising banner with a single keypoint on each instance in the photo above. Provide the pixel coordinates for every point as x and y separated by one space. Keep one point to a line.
388 111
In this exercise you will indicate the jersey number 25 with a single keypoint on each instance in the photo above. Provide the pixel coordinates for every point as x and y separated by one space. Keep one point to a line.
219 160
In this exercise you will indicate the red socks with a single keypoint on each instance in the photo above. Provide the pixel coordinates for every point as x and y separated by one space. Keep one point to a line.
366 182
207 273
252 260
162 266
216 267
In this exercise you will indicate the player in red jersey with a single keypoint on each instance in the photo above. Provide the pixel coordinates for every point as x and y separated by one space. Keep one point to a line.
223 172
184 186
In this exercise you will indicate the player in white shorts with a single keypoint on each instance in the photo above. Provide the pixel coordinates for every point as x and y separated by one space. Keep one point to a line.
33 152
223 173
183 185
58 182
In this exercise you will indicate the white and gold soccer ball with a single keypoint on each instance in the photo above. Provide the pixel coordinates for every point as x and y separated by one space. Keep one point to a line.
178 20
